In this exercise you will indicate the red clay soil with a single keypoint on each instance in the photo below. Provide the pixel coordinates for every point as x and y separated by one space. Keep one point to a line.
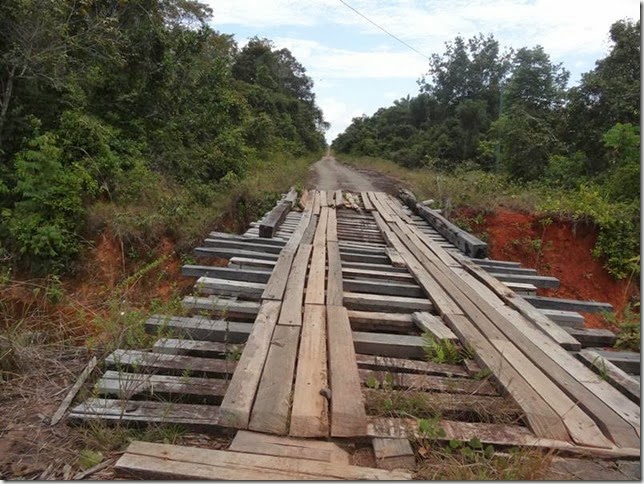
558 249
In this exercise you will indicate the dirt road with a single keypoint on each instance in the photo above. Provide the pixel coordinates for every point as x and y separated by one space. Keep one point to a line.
328 174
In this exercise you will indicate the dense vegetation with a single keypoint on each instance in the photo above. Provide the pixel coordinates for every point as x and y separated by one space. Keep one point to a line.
509 114
128 104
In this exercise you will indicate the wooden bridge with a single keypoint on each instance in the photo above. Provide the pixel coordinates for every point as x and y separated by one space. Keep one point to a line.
318 325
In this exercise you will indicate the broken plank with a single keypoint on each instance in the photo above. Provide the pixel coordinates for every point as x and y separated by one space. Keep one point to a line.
309 415
348 417
395 258
237 404
64 405
400 365
428 323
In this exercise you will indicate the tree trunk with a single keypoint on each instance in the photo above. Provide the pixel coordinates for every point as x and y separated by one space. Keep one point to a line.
6 98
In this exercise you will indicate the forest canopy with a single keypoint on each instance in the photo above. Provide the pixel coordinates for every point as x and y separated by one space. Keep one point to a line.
97 95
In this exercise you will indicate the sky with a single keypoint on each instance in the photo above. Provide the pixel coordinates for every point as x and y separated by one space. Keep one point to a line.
357 68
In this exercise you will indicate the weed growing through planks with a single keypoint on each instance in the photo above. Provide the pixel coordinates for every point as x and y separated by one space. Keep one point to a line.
629 327
600 365
444 351
234 352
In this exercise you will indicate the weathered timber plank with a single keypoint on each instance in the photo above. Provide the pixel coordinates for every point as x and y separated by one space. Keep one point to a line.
383 344
310 412
291 313
580 426
228 253
316 203
199 328
273 401
383 288
358 257
237 404
324 202
275 445
373 267
128 385
429 383
245 238
150 412
251 263
543 302
400 365
466 242
538 281
226 273
489 433
395 258
368 206
389 322
151 460
592 337
393 453
316 279
214 304
348 417
64 405
361 301
225 287
255 245
570 319
190 347
349 273
613 374
429 323
628 361
169 364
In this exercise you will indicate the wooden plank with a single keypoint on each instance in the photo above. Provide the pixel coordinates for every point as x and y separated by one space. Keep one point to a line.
428 383
361 301
199 328
338 198
304 198
151 460
148 412
372 258
323 199
488 433
214 304
389 322
349 273
613 374
129 385
244 238
291 196
228 253
251 263
615 415
316 203
275 445
202 349
273 401
592 337
382 210
570 319
543 302
383 344
374 267
395 258
520 303
628 361
368 206
316 280
538 281
400 365
429 323
309 415
237 404
580 426
348 417
393 453
335 284
169 364
383 288
224 287
228 273
466 242
64 405
256 245
291 313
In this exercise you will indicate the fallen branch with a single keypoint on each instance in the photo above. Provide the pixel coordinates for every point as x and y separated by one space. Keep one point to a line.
93 469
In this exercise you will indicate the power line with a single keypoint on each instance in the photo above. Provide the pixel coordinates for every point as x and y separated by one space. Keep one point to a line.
384 30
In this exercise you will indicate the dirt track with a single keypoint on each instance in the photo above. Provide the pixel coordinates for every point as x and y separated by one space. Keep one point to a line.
330 174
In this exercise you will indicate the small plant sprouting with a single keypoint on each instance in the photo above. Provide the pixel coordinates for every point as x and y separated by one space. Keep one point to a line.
444 351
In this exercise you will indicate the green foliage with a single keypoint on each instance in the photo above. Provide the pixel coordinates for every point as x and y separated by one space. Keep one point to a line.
111 103
444 351
629 327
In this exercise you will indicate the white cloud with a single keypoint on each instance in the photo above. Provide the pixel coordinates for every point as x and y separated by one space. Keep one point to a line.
339 114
